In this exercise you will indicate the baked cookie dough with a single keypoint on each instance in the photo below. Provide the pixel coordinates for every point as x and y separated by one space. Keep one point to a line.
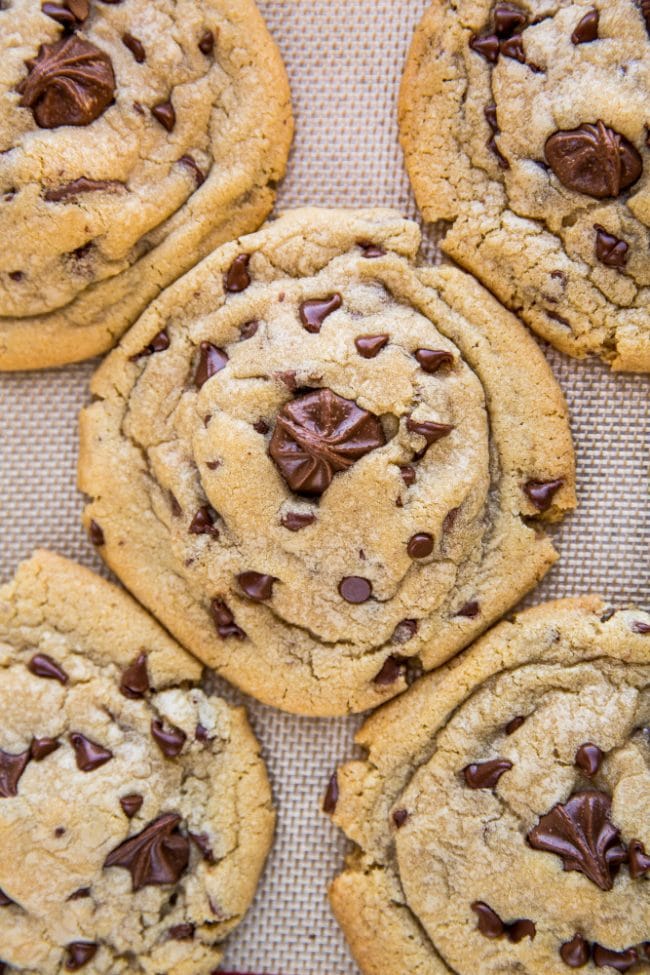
323 467
135 810
525 129
135 137
501 817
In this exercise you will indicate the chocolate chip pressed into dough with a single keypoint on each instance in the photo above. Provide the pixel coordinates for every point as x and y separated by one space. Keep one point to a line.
297 513
124 857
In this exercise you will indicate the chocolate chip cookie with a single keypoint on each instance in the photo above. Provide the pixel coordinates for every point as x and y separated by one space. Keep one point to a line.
501 817
135 811
525 128
135 136
322 466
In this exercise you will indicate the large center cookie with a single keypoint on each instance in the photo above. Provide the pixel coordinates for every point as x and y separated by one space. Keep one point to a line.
321 465
525 127
134 137
135 811
502 816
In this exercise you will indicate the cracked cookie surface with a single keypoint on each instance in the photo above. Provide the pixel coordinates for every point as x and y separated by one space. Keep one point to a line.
134 138
135 810
500 818
322 466
525 129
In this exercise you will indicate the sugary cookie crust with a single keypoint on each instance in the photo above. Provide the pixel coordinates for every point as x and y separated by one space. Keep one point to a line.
67 641
411 551
429 849
474 128
96 219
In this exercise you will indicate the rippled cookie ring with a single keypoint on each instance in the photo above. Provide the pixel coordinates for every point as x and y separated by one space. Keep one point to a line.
502 815
525 128
135 136
323 467
135 810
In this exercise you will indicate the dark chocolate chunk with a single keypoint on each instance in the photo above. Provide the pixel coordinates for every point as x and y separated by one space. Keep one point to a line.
131 804
575 953
89 754
587 28
257 586
420 546
594 160
485 775
369 346
43 666
165 114
237 276
433 359
135 679
156 856
40 748
332 795
589 758
313 313
211 361
225 621
541 493
355 589
159 343
169 740
11 769
610 250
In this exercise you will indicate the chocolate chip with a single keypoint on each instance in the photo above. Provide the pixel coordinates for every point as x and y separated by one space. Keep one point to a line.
541 493
332 795
470 609
432 432
79 954
518 930
135 679
169 740
594 160
249 329
211 361
4 900
638 626
621 961
257 586
135 46
89 754
159 343
355 589
508 20
156 856
645 13
589 758
489 923
487 46
369 346
262 427
40 748
513 47
553 315
165 114
59 831
514 725
610 250
295 521
11 769
575 953
313 313
371 250
79 895
319 435
190 163
420 546
450 520
203 522
70 82
64 14
581 833
638 861
177 511
408 475
225 621
43 666
96 534
206 43
587 29
485 775
16 275
494 148
131 804
392 670
237 276
181 932
433 359
69 191
399 817
201 733
404 631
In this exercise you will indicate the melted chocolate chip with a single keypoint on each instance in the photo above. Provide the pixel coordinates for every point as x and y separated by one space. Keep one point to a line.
43 666
261 426
169 740
581 833
190 163
432 432
518 930
332 795
433 359
420 546
295 521
369 346
319 435
159 343
371 250
177 511
575 953
4 900
89 754
508 20
249 329
201 733
96 534
355 589
610 250
587 28
487 46
70 82
135 679
206 43
79 954
237 276
594 160
11 769
470 610
71 14
40 748
313 313
514 725
211 361
513 47
620 961
485 775
165 114
69 191
80 895
392 670
399 817
589 758
489 923
203 522
202 841
257 586
156 856
181 932
131 804
405 631
135 46
640 627
638 860
225 621
408 475
541 493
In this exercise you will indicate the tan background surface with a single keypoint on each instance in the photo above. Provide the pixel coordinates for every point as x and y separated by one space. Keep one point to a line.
344 59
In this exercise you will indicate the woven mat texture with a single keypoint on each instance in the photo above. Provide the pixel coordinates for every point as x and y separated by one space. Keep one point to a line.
345 59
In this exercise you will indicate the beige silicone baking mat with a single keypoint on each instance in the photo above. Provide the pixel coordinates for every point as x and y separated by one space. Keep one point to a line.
345 59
